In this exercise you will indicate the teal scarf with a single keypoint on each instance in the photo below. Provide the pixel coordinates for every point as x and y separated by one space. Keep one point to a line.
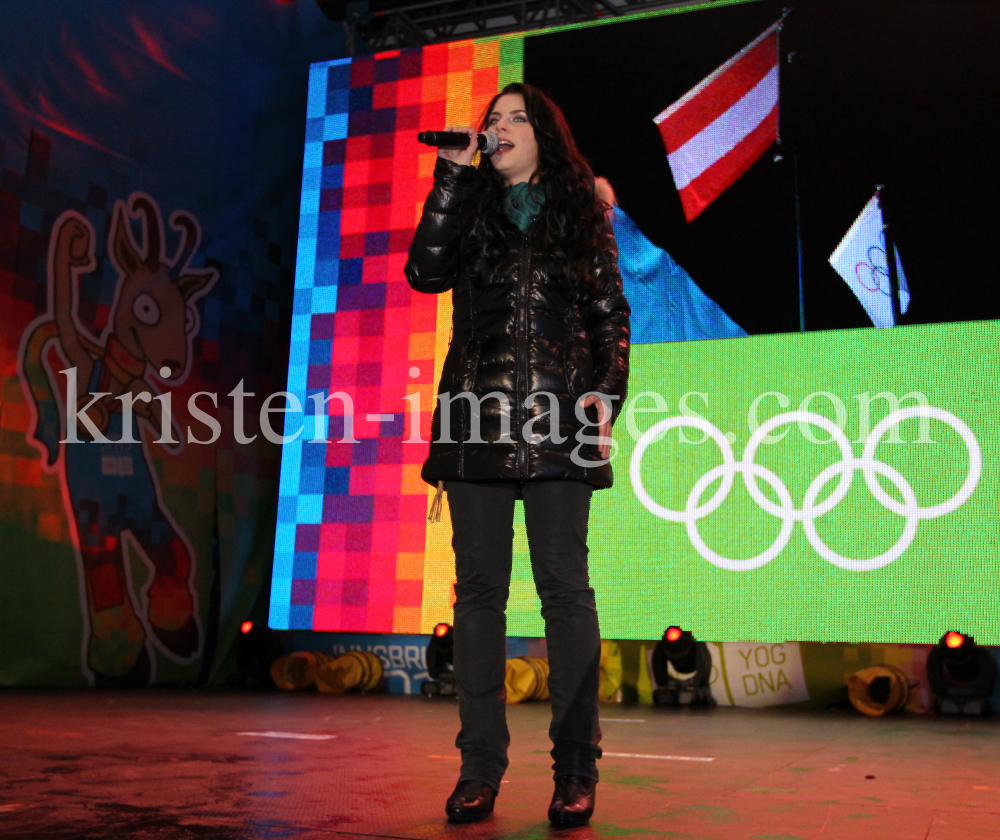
523 204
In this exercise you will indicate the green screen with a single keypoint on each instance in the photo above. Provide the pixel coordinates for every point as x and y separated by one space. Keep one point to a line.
903 561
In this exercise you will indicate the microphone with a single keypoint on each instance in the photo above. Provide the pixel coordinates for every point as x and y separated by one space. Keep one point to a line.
487 141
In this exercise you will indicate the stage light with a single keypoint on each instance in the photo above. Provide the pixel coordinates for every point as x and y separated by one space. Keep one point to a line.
440 665
257 646
681 669
962 675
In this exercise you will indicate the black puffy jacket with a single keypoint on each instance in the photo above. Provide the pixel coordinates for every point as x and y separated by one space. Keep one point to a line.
522 328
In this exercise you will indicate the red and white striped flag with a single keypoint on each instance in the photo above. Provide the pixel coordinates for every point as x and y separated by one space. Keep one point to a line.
722 125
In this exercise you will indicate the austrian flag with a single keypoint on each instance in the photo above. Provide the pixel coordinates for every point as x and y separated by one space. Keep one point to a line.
722 125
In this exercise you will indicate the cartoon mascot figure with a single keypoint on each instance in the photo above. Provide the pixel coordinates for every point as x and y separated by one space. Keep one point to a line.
94 407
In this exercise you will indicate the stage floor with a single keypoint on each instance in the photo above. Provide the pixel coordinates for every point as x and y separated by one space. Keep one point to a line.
204 764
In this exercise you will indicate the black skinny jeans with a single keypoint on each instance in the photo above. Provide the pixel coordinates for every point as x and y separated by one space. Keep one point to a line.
556 514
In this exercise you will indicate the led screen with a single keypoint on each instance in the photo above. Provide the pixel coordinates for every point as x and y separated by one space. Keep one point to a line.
784 469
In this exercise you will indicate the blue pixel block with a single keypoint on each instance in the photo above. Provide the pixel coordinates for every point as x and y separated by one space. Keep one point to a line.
327 273
302 303
304 565
310 510
335 127
283 563
313 157
318 83
287 508
324 299
300 616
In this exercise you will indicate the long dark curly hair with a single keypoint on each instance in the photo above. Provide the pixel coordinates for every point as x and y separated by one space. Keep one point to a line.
572 221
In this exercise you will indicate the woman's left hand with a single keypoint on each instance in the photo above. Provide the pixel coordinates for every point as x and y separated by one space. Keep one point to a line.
463 157
604 418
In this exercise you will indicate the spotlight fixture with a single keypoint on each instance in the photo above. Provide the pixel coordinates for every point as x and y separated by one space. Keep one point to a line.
681 668
257 646
440 664
962 675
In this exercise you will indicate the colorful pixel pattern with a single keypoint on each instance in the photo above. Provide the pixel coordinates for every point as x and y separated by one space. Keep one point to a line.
352 542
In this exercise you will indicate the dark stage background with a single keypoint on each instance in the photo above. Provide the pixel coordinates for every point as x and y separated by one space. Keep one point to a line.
900 93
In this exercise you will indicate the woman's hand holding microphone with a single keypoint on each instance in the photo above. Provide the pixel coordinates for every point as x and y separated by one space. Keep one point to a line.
463 157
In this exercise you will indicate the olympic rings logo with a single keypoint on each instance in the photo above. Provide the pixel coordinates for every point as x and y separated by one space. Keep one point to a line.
811 509
876 269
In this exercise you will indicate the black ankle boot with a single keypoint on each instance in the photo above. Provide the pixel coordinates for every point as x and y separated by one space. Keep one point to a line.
471 801
573 801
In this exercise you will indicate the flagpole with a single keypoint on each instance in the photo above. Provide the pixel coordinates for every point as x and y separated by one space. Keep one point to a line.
795 183
798 239
890 258
785 12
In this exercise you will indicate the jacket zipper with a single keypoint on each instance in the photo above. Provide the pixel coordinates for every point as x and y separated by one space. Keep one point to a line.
522 354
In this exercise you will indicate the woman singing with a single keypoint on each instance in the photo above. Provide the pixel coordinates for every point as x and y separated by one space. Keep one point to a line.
538 362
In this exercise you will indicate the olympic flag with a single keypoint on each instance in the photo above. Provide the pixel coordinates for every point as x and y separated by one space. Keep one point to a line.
723 124
860 259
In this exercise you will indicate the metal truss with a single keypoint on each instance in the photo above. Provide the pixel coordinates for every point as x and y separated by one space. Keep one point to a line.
434 21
